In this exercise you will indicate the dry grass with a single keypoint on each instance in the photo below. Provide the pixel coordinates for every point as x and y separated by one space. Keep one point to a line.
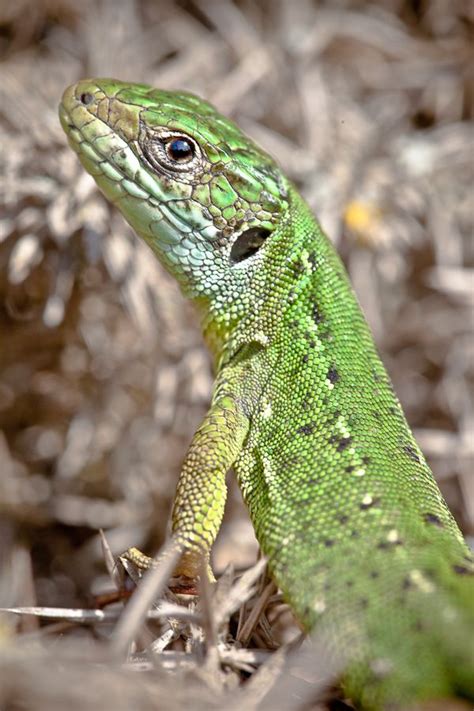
103 375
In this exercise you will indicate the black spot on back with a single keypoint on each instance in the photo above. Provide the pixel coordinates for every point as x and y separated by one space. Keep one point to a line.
313 260
344 443
332 375
316 314
462 570
412 453
307 429
384 545
433 518
298 268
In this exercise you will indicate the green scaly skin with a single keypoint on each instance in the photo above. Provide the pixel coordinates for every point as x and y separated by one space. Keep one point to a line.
357 534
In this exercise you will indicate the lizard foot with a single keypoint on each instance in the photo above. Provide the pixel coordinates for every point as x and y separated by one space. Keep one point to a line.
185 577
140 560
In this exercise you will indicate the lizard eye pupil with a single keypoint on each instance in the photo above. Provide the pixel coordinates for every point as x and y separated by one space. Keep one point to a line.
180 150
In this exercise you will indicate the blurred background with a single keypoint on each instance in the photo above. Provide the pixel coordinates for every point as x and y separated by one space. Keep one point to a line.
103 373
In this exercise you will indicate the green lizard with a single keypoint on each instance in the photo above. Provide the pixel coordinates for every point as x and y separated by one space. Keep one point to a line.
357 534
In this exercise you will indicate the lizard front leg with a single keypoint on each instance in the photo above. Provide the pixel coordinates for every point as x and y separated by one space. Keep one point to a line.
201 491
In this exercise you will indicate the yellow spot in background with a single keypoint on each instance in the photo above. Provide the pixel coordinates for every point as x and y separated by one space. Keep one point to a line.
363 219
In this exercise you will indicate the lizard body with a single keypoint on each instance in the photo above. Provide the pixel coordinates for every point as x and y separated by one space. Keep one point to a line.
344 505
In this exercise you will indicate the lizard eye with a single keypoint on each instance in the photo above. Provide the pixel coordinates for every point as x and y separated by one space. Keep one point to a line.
180 149
174 152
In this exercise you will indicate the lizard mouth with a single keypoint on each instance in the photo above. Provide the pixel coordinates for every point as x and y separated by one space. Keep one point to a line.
71 128
65 120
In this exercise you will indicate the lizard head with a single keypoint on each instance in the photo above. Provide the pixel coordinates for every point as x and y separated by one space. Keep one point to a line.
190 183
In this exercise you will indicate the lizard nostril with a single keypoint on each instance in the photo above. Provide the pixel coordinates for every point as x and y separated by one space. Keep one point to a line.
86 99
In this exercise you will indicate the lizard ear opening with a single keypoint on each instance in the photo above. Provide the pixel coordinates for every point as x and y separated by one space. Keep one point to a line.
247 244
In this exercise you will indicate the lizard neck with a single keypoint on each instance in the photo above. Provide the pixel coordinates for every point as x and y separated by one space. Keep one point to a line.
254 314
